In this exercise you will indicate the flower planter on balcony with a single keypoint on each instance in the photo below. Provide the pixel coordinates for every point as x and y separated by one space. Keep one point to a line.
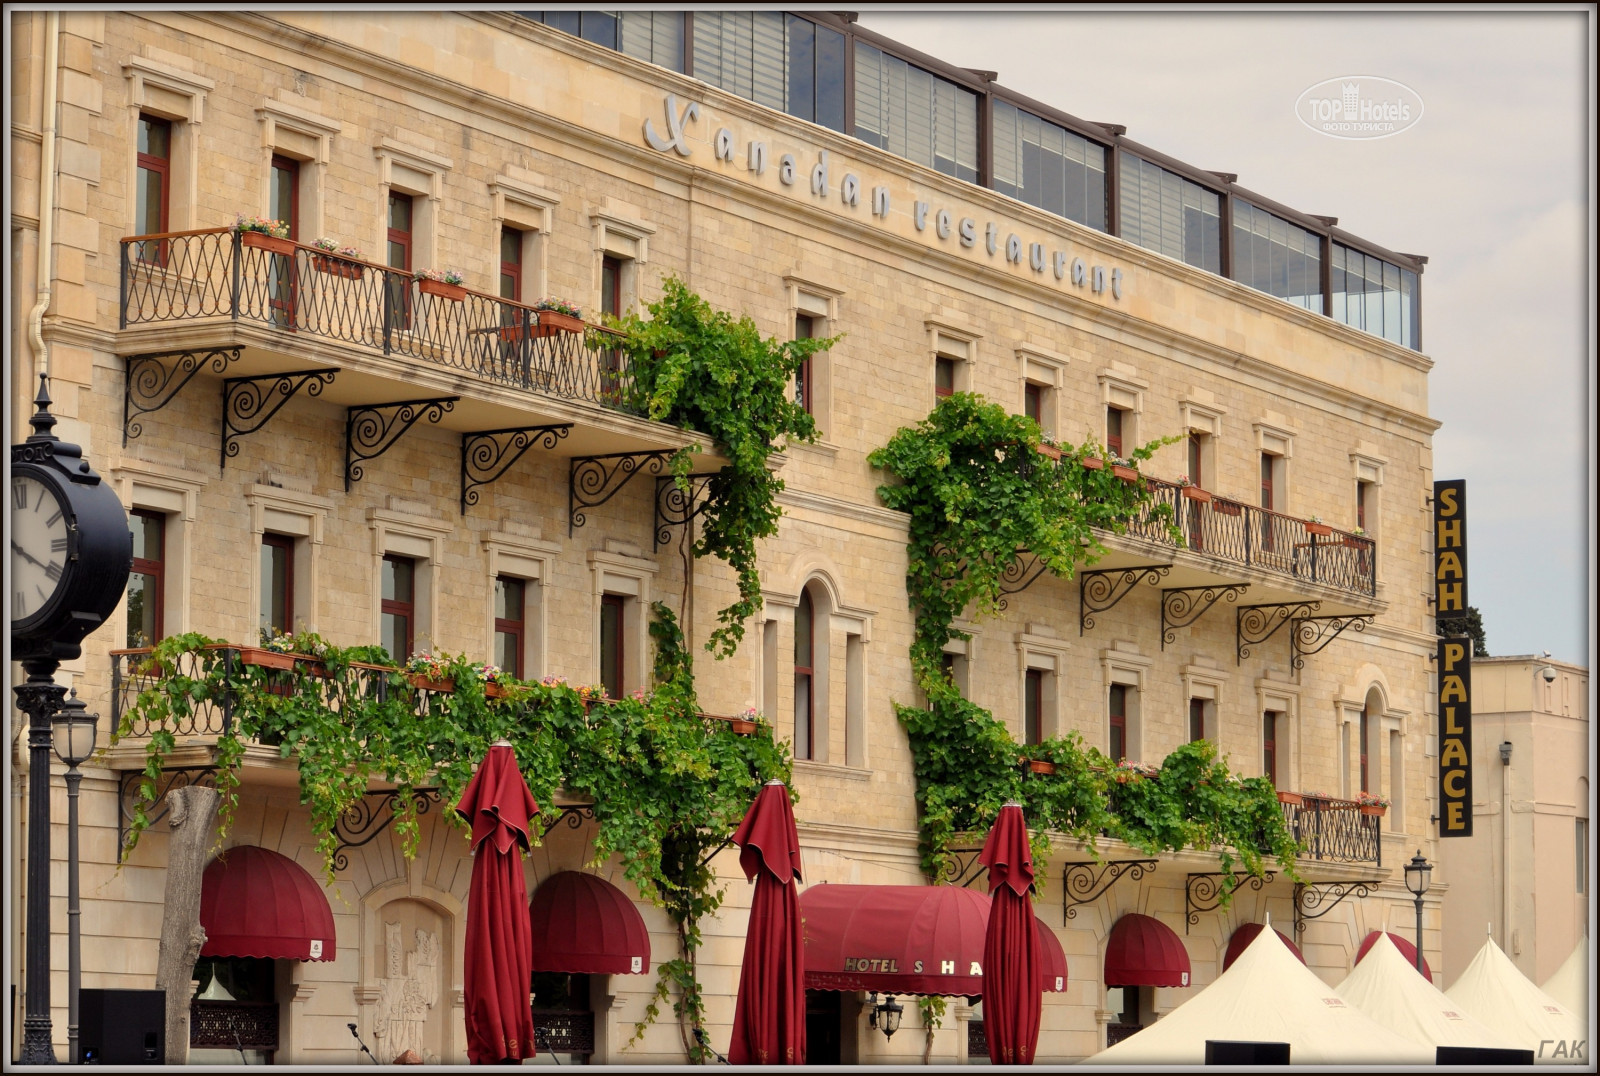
1371 811
1127 474
742 727
552 322
1038 765
495 691
1050 451
334 266
424 683
1227 508
1090 463
1195 493
1320 529
270 243
1293 799
262 658
453 292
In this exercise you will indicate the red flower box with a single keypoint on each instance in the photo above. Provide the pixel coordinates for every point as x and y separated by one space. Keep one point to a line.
423 683
742 727
1321 529
453 292
1050 450
267 242
552 322
335 266
1195 493
1090 463
1371 811
494 691
1293 799
1127 474
1037 765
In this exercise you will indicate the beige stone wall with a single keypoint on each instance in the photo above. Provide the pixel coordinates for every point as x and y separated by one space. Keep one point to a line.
481 99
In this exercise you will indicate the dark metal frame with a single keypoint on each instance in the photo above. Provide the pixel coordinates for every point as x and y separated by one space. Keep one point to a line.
591 480
1098 592
129 781
1312 634
1255 624
1309 896
365 820
489 454
1080 884
1182 606
961 866
676 507
149 385
246 406
370 430
1021 572
1203 892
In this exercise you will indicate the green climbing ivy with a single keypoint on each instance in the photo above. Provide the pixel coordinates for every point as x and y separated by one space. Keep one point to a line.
706 370
981 495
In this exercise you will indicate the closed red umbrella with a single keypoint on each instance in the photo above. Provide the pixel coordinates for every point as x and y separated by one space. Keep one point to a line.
498 962
1012 976
769 1019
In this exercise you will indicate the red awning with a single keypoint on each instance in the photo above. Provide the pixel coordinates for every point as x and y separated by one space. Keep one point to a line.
1407 950
1245 935
584 925
255 902
1055 958
898 939
1145 952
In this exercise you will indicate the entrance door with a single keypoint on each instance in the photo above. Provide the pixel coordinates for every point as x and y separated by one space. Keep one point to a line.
823 1013
563 1021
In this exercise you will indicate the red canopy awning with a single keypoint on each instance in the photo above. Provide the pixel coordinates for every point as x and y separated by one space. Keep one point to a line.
897 939
1246 934
1054 958
1143 951
1407 950
584 925
256 902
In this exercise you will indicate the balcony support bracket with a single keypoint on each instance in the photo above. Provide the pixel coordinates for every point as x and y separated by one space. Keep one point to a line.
487 455
961 867
151 385
1021 572
1099 591
676 507
371 816
248 403
1313 900
594 480
1182 606
1311 634
1204 892
1255 624
1082 883
372 429
129 782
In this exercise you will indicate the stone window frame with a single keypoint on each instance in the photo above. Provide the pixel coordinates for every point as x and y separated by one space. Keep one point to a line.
300 134
1198 412
1366 465
520 556
966 651
959 343
777 649
1038 648
1206 682
1122 663
1121 387
419 173
1275 439
627 239
277 508
1048 370
175 493
820 302
529 209
620 570
170 93
408 535
1283 699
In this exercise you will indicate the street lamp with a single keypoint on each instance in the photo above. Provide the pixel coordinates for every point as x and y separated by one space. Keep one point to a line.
885 1015
72 734
1418 871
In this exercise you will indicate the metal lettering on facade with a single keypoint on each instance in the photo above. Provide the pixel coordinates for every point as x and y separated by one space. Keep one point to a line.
1455 736
1097 278
1450 549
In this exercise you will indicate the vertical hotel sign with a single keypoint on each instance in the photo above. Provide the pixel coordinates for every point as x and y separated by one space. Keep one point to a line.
1454 659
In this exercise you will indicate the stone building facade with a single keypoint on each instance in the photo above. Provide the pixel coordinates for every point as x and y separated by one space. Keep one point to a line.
454 135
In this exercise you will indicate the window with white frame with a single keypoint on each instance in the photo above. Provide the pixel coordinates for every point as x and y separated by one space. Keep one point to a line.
1203 686
517 568
1124 669
298 135
409 196
166 106
162 503
1042 374
1122 394
621 594
286 522
1041 658
407 550
955 352
814 309
624 242
523 215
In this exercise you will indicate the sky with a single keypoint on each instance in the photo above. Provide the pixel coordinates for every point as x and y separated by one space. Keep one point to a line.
1493 185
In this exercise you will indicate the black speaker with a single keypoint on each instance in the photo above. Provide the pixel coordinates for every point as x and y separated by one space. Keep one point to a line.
1229 1052
1481 1055
122 1027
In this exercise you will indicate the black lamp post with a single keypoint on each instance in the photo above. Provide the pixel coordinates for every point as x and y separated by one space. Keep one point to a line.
73 730
1418 872
885 1015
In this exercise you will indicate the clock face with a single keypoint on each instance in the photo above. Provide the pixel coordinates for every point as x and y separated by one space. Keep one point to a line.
38 546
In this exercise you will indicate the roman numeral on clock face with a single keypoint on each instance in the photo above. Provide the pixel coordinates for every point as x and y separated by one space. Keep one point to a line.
58 545
19 495
53 570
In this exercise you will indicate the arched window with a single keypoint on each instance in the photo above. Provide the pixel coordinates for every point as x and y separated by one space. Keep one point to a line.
804 676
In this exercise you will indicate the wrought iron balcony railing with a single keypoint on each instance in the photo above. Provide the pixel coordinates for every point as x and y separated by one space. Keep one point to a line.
1336 830
221 274
1263 539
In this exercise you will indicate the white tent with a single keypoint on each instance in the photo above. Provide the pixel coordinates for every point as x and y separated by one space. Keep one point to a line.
1570 984
1386 986
1497 995
1268 996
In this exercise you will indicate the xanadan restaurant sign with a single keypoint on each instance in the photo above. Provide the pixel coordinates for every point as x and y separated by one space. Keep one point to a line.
1453 659
817 177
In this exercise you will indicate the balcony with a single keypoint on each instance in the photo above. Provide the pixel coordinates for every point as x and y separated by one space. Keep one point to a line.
1333 830
221 299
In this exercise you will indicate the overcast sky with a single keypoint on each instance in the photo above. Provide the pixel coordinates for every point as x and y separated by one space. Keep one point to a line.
1492 185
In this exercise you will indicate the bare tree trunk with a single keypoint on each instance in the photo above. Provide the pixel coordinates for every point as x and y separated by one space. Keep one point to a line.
192 812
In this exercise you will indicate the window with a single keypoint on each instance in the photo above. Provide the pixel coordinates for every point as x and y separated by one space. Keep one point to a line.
944 376
398 606
775 59
1269 747
804 677
1114 430
1197 458
653 36
154 189
1277 257
511 264
1363 498
397 286
613 646
285 206
1033 401
1365 746
509 624
1048 166
805 328
277 583
914 113
1033 706
1375 296
1119 722
1161 211
611 303
1197 719
1194 516
1581 831
147 580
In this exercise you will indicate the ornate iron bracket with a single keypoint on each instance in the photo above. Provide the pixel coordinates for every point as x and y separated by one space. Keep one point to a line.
1309 897
366 819
675 508
372 429
1255 624
1311 634
487 455
1020 573
962 866
150 385
593 480
248 402
1203 892
1099 591
1183 606
128 794
1081 884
